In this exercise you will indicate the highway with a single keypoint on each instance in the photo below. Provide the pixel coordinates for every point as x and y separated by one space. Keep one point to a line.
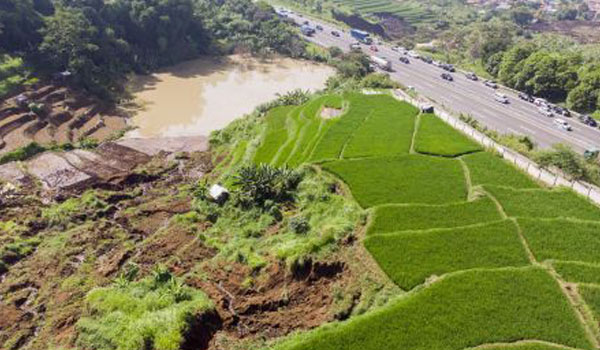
466 96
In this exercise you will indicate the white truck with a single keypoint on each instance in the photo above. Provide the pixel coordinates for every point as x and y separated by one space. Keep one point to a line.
382 63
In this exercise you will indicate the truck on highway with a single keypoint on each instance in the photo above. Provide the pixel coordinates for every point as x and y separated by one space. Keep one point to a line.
307 30
381 62
361 36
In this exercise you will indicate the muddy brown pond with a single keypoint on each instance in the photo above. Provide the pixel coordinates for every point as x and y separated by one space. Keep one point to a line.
199 96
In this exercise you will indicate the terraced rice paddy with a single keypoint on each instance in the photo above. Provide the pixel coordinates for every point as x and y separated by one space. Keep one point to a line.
410 10
480 248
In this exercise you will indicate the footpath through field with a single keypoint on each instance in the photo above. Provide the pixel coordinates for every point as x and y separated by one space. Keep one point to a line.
488 255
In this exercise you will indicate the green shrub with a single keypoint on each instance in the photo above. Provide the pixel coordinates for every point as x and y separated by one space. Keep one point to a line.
560 239
435 137
391 218
63 213
487 168
379 81
154 313
540 203
466 309
21 154
406 179
408 258
260 184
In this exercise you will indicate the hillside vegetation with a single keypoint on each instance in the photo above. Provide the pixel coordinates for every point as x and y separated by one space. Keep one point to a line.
481 246
354 222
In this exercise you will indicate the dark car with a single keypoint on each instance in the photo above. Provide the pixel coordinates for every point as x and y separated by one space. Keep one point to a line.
448 67
587 120
562 111
427 59
526 97
334 33
447 76
319 27
305 22
404 59
471 76
490 83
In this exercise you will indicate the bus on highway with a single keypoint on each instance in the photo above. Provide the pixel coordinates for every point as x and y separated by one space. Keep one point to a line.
361 36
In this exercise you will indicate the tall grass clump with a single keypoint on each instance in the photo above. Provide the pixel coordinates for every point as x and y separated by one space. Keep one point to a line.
435 137
153 313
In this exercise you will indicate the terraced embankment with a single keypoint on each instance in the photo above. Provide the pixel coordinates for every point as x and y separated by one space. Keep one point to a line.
61 116
488 256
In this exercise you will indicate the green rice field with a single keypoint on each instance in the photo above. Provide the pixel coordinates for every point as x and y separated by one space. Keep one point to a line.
392 218
410 10
435 137
454 226
462 310
410 257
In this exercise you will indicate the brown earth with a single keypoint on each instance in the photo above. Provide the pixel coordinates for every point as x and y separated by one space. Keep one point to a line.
587 32
66 116
42 294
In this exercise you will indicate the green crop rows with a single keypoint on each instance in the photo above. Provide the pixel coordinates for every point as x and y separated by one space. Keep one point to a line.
410 257
409 10
435 137
457 226
391 218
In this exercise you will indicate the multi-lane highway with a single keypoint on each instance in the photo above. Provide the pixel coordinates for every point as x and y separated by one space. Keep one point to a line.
466 96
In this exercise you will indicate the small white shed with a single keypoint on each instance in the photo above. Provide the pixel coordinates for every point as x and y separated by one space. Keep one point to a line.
218 193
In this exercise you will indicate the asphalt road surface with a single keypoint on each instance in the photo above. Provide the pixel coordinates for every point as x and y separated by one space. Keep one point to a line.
466 96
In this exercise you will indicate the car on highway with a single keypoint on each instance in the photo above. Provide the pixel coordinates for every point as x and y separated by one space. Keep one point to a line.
471 76
538 101
447 76
404 59
427 59
335 33
355 47
413 54
436 63
546 112
319 27
587 120
448 67
562 111
526 97
399 49
501 98
305 22
490 83
373 48
562 124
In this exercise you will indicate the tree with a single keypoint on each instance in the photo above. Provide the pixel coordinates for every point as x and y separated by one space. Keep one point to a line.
19 25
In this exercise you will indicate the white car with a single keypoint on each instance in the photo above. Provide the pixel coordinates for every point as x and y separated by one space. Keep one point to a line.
540 102
501 98
413 54
545 112
562 124
436 63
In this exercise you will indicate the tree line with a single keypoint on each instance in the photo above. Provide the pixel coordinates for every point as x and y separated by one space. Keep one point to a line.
100 41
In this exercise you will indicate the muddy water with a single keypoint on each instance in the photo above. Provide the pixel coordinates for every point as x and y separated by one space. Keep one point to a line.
197 97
